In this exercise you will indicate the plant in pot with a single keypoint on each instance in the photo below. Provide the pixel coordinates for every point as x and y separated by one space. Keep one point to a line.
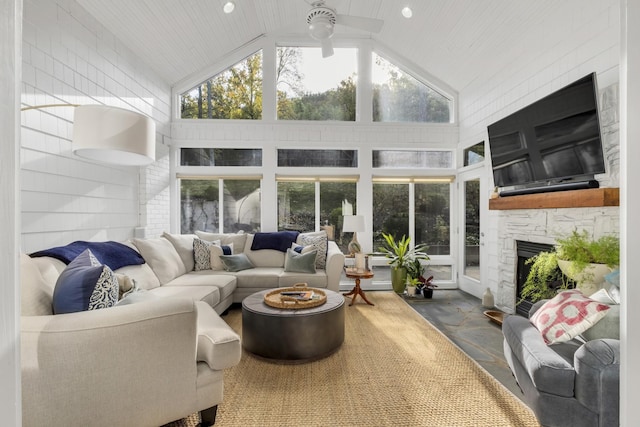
400 256
586 260
415 273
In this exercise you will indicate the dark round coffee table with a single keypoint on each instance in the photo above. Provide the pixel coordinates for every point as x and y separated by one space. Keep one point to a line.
292 334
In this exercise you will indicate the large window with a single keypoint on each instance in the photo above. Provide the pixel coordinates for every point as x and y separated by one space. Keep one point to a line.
318 158
236 93
316 205
399 97
419 209
310 87
412 159
219 205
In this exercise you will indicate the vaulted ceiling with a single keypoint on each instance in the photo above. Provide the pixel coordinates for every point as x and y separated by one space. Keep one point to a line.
455 40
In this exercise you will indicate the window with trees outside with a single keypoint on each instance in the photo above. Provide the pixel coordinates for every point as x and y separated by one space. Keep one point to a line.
399 97
236 93
219 205
310 87
425 204
220 157
309 205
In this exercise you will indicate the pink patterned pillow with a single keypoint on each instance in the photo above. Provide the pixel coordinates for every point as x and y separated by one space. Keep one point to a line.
567 315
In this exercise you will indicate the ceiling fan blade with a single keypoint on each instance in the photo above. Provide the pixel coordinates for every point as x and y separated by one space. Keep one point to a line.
367 24
327 48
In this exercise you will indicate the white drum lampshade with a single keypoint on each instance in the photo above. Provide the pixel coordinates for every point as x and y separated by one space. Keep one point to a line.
353 223
113 135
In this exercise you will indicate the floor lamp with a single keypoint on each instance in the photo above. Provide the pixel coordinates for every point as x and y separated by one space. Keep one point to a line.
110 134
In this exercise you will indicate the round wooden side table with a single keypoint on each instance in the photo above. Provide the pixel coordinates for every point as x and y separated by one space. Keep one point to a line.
355 274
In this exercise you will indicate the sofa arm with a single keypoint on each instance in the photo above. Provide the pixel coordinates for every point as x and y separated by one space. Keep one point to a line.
105 365
218 344
334 266
597 365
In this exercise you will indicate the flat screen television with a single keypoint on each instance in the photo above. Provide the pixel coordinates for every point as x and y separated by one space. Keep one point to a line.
553 141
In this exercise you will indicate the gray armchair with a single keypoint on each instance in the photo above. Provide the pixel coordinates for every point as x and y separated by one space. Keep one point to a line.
566 384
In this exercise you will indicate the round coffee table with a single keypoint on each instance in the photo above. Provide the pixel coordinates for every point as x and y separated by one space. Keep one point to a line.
292 334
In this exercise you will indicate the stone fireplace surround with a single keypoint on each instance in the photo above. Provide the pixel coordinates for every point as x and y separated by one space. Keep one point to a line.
543 226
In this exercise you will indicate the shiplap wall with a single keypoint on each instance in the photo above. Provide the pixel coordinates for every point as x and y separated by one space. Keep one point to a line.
584 40
69 57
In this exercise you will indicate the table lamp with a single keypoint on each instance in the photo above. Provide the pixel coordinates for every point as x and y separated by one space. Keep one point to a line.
353 223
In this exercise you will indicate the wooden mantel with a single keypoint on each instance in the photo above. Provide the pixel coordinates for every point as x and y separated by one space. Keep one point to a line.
592 197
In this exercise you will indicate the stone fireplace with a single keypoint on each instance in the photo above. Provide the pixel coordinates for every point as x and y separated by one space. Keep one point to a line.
542 226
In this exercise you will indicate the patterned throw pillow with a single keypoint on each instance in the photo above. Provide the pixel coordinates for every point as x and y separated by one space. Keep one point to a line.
202 254
567 315
320 242
85 284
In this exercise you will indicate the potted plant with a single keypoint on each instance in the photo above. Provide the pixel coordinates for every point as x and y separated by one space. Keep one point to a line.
400 256
412 286
426 286
586 260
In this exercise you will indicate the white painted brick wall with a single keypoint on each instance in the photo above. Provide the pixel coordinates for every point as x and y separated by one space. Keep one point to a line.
70 58
585 36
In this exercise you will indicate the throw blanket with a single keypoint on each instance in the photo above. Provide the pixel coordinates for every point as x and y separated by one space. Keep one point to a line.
113 254
279 240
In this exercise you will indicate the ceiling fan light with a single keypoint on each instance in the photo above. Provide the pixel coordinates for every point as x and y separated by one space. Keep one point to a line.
407 12
321 28
228 7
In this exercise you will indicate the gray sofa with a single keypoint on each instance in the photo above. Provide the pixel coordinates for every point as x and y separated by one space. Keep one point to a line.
566 384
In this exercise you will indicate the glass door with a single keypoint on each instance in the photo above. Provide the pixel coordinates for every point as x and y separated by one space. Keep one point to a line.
471 236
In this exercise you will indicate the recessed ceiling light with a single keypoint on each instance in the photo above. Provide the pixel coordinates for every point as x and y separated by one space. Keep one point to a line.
228 7
407 12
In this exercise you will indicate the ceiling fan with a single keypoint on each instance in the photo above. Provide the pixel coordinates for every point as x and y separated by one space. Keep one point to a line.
321 20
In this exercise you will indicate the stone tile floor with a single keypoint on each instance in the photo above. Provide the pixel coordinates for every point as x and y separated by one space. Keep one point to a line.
460 317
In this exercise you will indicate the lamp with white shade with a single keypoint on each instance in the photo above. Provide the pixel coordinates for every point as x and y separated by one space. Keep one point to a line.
353 224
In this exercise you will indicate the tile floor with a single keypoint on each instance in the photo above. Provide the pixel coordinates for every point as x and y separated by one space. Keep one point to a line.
460 317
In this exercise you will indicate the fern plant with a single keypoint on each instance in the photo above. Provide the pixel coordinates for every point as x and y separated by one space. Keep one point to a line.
582 250
544 279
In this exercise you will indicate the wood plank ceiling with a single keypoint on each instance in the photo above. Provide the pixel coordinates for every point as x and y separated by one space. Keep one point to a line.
455 40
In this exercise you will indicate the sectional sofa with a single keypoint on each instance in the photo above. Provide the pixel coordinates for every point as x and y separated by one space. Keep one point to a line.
161 356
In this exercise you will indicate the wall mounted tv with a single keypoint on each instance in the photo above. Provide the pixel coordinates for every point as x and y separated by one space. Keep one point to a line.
552 144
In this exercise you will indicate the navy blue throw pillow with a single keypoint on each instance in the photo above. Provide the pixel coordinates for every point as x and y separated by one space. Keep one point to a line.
85 284
278 240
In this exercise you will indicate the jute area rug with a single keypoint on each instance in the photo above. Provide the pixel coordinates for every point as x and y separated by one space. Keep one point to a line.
394 369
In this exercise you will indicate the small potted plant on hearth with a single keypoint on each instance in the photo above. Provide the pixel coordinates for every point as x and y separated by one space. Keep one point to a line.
427 286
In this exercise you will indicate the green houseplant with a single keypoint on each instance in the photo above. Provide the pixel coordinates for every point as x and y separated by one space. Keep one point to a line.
400 255
586 260
544 278
573 258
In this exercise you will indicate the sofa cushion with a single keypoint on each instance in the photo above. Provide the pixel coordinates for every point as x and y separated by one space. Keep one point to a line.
142 274
35 292
208 294
317 280
215 251
162 257
320 241
237 262
238 239
140 295
85 285
225 282
300 263
183 244
263 257
259 277
567 315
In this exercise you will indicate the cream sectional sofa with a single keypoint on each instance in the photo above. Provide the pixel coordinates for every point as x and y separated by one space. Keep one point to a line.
221 288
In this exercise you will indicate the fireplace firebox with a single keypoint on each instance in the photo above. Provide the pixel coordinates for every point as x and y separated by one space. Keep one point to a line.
524 251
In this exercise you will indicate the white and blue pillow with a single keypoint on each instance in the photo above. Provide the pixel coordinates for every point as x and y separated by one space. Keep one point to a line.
85 284
319 242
